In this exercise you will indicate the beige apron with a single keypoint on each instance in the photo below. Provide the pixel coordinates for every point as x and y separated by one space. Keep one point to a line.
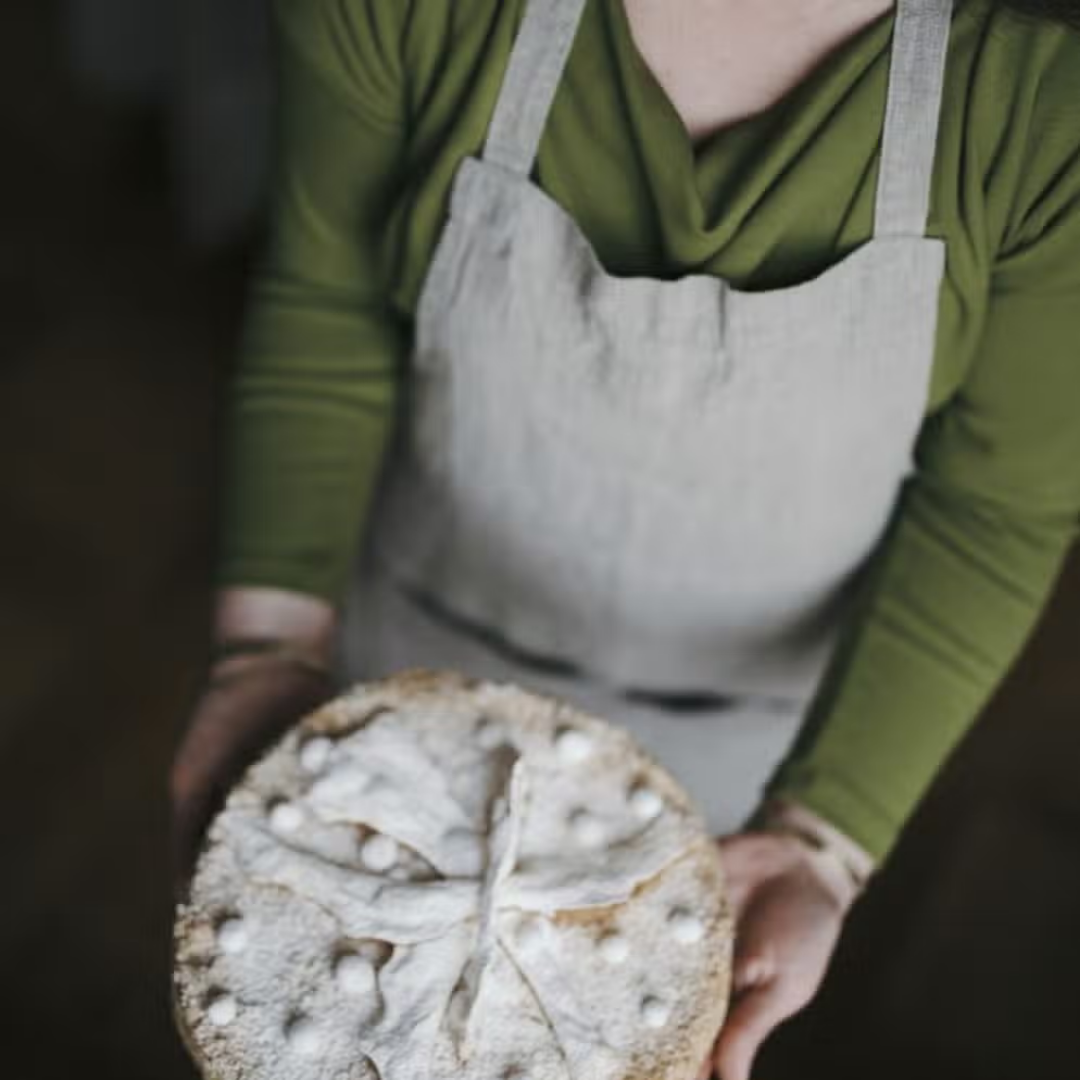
609 482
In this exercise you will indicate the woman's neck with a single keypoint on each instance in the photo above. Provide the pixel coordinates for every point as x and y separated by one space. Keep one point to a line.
720 61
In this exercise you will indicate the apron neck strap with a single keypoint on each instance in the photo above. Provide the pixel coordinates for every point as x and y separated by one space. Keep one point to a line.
912 114
539 55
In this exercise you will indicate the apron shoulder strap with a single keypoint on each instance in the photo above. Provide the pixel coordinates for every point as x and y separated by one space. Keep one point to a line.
912 116
536 64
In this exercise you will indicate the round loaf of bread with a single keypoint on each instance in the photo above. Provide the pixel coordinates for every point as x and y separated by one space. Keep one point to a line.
432 877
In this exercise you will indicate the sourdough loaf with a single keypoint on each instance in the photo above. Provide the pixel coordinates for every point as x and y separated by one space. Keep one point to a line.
436 878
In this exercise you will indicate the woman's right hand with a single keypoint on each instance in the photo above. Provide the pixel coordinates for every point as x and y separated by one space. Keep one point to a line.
234 720
248 702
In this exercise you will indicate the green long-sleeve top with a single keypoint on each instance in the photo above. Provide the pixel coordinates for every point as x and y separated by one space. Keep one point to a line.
380 100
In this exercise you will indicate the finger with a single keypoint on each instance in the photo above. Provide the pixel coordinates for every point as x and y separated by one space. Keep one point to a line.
181 850
706 1069
752 1018
736 882
750 971
190 817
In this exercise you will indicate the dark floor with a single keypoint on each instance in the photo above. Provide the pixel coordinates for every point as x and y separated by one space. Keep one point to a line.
964 961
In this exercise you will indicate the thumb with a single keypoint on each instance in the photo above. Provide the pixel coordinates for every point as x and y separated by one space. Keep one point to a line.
752 1018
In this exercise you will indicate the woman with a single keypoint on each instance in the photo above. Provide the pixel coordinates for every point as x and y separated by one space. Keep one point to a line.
710 365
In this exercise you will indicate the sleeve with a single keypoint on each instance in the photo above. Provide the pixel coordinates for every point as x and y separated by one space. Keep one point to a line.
310 404
980 532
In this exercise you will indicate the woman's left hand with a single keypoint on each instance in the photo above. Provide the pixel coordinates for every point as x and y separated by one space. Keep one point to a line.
788 916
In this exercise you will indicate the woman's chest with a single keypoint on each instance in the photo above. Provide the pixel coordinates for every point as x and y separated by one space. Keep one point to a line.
767 206
721 61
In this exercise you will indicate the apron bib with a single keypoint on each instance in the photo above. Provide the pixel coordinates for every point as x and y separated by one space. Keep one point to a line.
662 484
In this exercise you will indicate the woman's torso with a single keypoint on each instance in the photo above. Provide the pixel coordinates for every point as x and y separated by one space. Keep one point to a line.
673 481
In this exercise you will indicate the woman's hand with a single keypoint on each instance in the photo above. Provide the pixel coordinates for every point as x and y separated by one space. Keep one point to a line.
789 905
251 698
234 720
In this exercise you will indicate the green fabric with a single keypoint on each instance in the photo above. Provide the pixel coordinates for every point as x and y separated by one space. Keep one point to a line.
380 99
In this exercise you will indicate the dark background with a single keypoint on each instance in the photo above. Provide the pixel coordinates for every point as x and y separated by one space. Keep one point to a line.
132 144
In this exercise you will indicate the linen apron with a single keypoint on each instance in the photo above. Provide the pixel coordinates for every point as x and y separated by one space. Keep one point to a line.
650 497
